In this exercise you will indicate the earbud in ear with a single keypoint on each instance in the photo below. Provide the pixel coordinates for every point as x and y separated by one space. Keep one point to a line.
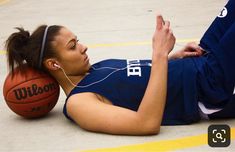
56 65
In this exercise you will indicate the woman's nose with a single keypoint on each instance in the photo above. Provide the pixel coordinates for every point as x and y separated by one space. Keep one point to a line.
83 49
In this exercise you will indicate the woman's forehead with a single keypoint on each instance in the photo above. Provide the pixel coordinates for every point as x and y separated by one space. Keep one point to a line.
64 36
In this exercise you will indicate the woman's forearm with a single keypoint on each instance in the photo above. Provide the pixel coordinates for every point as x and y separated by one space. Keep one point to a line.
152 106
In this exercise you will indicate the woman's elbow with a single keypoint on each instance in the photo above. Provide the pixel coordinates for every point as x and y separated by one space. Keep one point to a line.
152 129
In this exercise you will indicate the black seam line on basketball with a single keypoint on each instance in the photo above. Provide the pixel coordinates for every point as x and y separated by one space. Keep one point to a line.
24 82
30 102
27 80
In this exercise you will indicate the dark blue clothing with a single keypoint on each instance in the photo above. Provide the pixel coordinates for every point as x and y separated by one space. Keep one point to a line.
219 40
209 79
128 91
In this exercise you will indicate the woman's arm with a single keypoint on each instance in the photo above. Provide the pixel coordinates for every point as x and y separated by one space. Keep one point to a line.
190 50
153 103
93 115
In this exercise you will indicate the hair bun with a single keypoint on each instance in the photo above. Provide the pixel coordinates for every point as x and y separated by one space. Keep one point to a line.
22 36
16 46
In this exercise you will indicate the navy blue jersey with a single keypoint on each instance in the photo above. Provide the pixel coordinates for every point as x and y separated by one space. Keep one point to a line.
124 82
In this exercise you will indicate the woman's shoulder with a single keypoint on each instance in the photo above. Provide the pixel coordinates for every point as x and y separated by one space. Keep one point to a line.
82 96
89 95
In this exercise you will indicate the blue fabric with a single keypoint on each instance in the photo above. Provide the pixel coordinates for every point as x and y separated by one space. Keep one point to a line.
219 40
209 79
127 91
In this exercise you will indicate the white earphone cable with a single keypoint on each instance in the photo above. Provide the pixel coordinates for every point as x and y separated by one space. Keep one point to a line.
112 68
67 77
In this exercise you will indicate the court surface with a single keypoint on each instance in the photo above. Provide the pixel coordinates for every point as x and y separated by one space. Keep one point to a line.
111 29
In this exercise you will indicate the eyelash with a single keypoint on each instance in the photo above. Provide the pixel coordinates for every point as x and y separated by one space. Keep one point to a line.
74 46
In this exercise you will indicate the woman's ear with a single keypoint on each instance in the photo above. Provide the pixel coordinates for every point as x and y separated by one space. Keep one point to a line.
51 64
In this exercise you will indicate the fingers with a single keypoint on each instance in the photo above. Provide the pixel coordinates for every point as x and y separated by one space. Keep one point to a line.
191 54
163 38
167 24
194 47
160 22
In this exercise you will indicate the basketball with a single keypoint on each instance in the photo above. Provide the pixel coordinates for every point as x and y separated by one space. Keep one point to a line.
31 93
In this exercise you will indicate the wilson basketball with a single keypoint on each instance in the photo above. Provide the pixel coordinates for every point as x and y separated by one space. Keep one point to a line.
31 93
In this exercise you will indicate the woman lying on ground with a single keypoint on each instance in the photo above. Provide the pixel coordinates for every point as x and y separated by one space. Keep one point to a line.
136 97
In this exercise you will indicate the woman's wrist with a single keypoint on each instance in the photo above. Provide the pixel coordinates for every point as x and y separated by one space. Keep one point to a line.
156 56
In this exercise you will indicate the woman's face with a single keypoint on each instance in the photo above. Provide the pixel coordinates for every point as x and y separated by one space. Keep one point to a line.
71 54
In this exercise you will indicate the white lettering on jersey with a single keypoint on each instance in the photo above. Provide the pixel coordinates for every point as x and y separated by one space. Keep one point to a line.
133 68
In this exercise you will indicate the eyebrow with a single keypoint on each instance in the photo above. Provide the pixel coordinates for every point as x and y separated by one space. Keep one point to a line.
72 40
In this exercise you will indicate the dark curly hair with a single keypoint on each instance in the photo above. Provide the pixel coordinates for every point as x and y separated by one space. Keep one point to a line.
23 48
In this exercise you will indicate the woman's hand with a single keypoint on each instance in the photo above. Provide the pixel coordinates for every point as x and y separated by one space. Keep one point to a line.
163 39
190 50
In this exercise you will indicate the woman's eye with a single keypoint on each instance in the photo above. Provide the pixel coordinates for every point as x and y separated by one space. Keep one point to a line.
74 46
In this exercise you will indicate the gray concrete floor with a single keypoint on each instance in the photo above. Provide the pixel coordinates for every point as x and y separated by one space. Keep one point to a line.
98 22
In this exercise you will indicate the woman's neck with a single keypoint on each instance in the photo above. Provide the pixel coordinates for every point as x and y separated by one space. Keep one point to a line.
68 83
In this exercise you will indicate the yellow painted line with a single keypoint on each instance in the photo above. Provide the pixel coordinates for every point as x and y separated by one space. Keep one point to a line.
3 1
126 44
136 43
2 52
164 145
119 44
